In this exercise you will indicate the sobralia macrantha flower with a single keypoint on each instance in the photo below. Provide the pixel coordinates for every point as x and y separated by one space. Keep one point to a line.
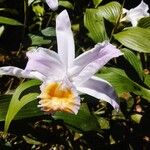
63 76
135 14
53 4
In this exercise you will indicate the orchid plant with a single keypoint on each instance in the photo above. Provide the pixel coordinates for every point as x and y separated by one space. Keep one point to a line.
57 78
65 76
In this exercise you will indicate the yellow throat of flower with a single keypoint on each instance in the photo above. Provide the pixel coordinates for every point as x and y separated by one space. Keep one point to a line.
56 97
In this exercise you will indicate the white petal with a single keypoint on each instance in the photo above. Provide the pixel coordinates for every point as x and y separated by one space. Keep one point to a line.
135 14
46 62
88 63
14 71
65 41
100 89
53 4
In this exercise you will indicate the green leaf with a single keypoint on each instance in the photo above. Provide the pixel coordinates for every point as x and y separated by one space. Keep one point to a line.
104 123
144 22
18 100
50 31
95 26
27 111
32 141
96 2
4 103
134 61
9 21
39 40
135 38
83 121
66 4
147 79
1 30
122 83
110 11
136 118
38 9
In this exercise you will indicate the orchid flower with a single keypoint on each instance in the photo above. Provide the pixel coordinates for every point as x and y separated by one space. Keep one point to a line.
135 14
53 4
63 76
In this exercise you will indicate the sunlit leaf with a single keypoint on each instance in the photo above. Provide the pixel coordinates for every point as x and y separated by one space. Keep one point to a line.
49 31
104 123
27 111
122 83
30 140
1 30
110 11
30 2
83 121
9 21
18 100
39 40
96 2
38 10
66 4
134 61
95 26
135 38
136 118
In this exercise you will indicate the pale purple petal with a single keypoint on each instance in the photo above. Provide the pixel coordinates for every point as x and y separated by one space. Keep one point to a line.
100 89
65 41
14 71
46 62
53 4
88 63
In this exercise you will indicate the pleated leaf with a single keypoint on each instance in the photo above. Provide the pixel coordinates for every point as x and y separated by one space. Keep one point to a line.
110 11
144 22
122 83
95 26
134 61
137 39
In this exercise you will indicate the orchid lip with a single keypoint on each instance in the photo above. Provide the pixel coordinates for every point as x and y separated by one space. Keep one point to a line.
57 97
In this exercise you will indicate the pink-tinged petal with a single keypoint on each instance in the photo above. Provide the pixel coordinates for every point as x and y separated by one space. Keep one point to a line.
65 41
46 62
88 63
59 96
100 89
14 71
53 4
